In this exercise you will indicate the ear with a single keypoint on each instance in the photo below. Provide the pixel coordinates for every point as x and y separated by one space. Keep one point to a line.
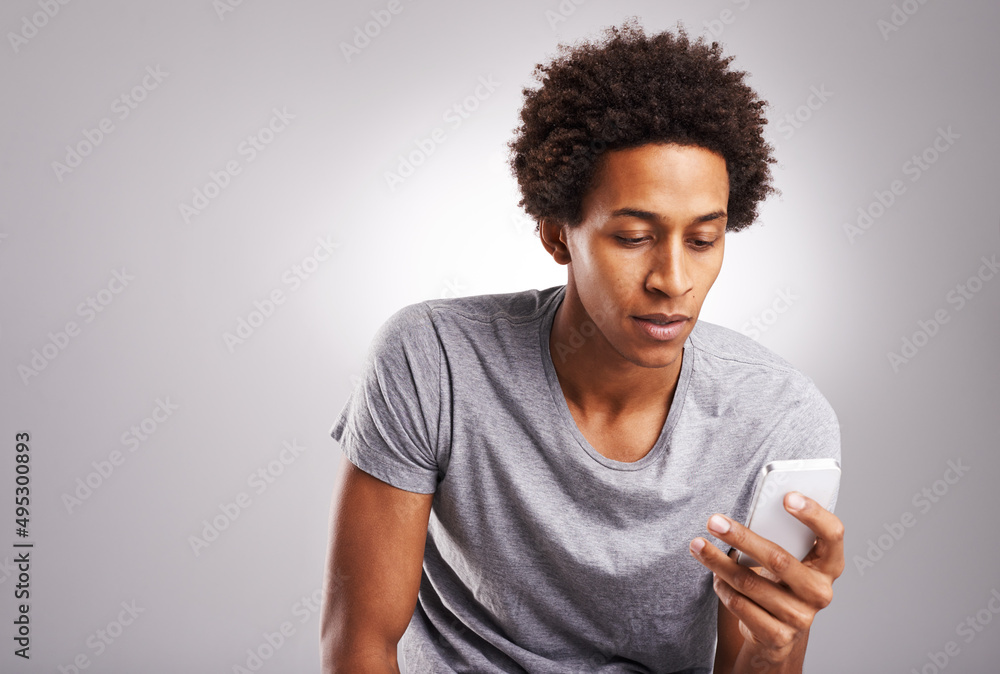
553 234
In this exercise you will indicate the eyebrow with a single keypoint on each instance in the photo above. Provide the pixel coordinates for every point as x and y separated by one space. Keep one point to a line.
654 217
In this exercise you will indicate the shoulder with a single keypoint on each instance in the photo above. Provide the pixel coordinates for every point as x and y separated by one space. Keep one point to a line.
759 381
519 307
408 326
439 323
724 344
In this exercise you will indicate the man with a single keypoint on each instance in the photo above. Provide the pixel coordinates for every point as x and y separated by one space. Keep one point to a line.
530 473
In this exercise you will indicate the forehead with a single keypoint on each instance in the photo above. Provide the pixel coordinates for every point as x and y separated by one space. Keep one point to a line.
667 176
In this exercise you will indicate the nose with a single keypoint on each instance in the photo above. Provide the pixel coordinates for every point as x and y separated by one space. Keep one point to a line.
668 270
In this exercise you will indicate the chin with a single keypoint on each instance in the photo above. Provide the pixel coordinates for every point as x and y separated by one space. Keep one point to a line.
655 355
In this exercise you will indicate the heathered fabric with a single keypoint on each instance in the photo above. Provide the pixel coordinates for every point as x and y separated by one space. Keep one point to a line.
542 555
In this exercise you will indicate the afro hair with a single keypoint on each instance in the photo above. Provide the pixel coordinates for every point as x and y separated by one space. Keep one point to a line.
628 90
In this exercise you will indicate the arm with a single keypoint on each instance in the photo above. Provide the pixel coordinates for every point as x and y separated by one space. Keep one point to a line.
373 570
731 642
765 617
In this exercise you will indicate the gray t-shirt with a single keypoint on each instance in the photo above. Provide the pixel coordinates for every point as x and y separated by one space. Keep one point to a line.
543 555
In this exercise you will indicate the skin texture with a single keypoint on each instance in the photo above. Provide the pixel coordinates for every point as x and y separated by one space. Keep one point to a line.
620 382
373 567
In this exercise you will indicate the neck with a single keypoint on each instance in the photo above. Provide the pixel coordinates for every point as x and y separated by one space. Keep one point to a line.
595 376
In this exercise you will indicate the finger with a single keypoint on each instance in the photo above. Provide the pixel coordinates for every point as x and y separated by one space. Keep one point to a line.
807 583
749 586
827 554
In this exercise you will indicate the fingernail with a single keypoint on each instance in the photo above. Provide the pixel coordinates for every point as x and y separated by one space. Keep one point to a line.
697 545
718 524
795 500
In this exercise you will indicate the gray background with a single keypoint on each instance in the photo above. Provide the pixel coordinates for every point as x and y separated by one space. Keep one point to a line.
452 228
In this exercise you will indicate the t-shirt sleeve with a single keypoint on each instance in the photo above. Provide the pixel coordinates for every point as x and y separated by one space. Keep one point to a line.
389 424
807 429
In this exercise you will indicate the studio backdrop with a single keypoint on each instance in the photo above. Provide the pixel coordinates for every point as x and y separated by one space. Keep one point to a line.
210 206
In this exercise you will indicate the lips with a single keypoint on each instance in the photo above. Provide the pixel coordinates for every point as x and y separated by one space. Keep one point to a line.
663 318
662 327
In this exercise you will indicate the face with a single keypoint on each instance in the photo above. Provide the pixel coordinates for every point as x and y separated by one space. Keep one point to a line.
651 242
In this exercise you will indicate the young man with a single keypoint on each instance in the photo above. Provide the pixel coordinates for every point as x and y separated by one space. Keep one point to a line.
530 474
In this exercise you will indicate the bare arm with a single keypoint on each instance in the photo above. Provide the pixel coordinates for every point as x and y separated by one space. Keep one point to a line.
730 641
373 569
728 655
772 608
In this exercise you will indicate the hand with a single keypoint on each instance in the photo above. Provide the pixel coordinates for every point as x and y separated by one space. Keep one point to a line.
777 604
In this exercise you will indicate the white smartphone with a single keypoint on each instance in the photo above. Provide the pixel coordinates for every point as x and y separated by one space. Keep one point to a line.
819 479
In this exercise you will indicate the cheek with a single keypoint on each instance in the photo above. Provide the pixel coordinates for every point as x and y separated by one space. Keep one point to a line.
616 274
711 270
605 280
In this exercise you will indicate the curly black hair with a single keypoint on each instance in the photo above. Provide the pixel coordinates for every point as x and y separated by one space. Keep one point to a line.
629 90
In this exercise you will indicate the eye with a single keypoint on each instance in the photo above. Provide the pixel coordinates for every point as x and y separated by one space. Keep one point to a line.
631 242
703 244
